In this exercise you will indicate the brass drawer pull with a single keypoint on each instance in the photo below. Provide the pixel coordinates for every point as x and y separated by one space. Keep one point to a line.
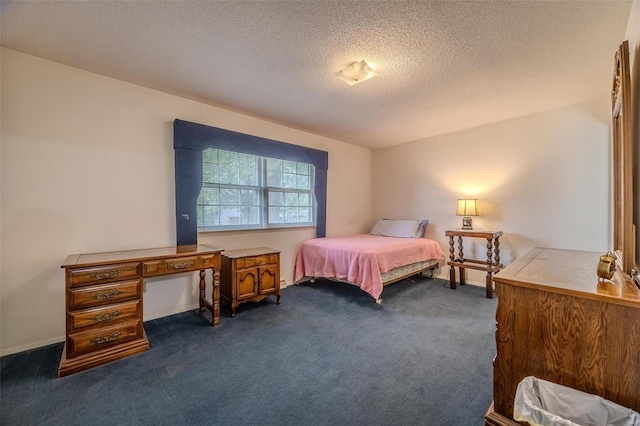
107 317
107 338
182 265
102 295
106 275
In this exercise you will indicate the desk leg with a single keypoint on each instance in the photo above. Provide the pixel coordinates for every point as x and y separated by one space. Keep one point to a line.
463 276
215 305
202 292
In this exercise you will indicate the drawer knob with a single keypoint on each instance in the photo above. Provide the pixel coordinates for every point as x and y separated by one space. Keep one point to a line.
107 338
107 317
106 275
182 265
102 295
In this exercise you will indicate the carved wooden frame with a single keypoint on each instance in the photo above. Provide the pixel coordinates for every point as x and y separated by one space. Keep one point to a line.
621 121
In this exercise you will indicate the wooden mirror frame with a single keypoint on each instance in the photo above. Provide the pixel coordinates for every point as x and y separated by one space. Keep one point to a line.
621 121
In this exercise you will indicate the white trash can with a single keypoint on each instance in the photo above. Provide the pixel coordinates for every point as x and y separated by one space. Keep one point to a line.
543 403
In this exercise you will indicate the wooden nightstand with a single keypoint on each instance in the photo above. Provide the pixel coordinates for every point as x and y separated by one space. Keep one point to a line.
491 265
249 275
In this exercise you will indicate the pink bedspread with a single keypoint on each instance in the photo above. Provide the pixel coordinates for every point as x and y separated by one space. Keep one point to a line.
361 259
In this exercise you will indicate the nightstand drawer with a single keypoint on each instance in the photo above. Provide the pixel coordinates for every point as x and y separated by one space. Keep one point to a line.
104 316
125 271
105 337
103 294
265 259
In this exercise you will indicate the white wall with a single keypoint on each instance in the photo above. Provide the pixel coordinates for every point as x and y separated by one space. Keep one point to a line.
87 166
543 179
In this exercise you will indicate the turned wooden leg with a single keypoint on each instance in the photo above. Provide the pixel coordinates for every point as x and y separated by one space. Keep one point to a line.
452 269
463 276
489 286
202 291
215 303
452 277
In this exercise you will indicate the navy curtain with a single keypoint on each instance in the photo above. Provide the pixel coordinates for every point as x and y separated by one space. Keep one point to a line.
190 139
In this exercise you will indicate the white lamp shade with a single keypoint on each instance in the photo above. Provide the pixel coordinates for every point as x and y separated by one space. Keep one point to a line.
467 207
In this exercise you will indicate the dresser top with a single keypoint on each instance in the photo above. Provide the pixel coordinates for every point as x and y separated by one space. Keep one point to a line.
75 260
569 272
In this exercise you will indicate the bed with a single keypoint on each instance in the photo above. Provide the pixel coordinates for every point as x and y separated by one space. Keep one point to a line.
390 253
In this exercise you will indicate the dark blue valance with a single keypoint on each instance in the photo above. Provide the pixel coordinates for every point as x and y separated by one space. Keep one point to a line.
190 139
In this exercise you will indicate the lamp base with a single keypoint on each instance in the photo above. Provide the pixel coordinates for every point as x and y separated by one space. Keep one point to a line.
466 223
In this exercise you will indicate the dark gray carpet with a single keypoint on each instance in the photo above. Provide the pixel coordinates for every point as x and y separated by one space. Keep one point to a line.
328 355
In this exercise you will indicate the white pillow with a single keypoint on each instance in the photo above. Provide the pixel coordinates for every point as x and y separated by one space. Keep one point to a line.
396 228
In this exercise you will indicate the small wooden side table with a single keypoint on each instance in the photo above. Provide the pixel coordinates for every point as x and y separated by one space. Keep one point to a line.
491 265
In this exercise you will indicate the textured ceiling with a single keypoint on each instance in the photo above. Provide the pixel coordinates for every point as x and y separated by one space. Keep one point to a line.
444 65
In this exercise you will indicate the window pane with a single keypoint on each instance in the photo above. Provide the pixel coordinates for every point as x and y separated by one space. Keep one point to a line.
304 199
288 180
303 168
290 214
229 197
250 216
304 214
289 166
249 197
228 172
248 170
276 215
211 216
274 173
209 195
230 215
303 182
276 198
291 199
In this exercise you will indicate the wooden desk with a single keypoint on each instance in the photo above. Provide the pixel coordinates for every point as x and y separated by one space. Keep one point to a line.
491 265
557 322
104 299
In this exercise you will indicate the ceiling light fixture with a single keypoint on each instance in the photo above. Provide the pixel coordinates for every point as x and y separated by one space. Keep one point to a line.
356 73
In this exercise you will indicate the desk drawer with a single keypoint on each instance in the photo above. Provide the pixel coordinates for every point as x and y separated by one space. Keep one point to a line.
181 264
104 316
247 262
103 274
210 261
103 294
105 337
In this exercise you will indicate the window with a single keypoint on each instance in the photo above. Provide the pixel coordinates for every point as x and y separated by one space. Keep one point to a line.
244 191
190 140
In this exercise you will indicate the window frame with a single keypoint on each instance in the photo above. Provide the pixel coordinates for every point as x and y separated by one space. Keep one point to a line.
264 190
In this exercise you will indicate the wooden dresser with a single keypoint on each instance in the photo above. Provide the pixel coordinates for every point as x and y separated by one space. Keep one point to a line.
104 299
557 322
250 275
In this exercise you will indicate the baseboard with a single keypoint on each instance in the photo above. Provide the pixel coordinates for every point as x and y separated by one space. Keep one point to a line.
469 282
32 346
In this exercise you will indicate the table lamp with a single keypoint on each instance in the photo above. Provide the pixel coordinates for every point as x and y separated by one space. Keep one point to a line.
467 208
